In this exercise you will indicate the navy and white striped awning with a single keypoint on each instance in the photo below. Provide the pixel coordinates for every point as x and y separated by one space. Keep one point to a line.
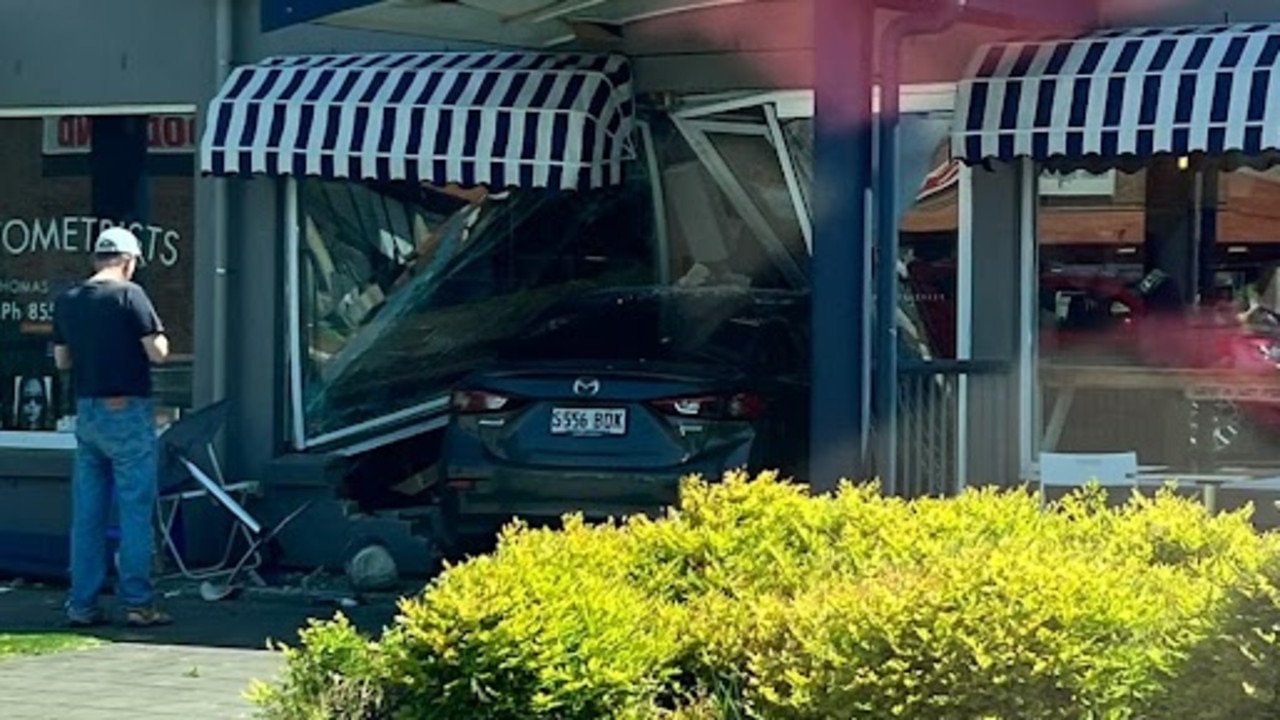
500 119
1124 94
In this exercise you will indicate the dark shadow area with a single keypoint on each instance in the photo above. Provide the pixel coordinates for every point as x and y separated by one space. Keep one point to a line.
246 622
1235 671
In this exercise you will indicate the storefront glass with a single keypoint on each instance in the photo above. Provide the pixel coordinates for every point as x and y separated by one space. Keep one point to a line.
64 180
405 288
1157 315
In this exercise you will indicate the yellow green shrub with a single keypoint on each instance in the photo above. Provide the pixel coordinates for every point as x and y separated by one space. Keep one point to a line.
755 599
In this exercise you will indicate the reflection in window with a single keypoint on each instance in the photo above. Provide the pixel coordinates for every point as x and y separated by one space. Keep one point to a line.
404 288
756 167
927 246
1156 313
709 242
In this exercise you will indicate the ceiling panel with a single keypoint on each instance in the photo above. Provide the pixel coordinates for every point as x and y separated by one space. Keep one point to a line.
521 23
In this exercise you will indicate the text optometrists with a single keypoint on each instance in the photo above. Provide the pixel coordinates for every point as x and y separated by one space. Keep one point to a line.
72 234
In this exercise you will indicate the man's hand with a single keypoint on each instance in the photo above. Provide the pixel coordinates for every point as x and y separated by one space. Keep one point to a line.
157 347
62 357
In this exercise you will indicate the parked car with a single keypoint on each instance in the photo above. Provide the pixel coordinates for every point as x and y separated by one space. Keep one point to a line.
609 399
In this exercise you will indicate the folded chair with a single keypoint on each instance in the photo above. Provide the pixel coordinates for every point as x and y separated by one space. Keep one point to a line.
1075 470
190 472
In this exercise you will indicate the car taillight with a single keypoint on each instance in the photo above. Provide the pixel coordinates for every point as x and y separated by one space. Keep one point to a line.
740 406
478 401
745 406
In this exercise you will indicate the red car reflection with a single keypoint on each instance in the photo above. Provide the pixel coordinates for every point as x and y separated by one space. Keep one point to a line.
1092 318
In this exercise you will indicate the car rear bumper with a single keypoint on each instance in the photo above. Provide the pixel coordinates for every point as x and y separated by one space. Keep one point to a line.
485 503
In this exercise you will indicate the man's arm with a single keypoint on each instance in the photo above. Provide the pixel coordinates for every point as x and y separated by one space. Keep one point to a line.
62 357
151 330
157 347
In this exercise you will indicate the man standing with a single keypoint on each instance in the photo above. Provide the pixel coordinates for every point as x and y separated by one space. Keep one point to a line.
107 333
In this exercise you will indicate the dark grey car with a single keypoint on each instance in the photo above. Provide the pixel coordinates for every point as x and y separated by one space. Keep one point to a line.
610 399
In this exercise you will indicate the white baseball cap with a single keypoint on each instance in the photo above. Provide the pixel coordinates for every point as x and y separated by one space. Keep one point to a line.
117 241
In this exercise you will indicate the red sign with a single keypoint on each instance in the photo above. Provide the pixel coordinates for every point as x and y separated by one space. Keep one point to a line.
73 134
940 178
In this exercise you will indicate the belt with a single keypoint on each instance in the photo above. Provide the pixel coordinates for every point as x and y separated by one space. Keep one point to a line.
114 402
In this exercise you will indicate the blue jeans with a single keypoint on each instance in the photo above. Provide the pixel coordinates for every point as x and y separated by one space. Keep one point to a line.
115 456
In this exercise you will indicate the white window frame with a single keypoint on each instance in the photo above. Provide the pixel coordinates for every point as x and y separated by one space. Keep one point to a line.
662 255
965 267
293 288
1029 400
695 122
52 439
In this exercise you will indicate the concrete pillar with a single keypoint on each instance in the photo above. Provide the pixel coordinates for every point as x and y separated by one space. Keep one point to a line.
994 411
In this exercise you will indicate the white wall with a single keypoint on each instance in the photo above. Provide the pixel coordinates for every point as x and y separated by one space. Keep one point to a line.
96 52
1187 12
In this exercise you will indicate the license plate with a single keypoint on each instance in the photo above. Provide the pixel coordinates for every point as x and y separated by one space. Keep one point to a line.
588 422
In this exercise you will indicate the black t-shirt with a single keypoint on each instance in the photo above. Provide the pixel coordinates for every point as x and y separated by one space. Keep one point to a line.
102 323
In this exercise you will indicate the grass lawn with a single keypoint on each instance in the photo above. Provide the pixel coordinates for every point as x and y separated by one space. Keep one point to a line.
42 643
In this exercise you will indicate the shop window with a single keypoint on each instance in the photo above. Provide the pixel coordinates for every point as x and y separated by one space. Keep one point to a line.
1157 307
64 179
406 288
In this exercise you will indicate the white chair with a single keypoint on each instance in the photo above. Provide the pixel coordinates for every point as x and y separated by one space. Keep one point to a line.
189 472
1074 470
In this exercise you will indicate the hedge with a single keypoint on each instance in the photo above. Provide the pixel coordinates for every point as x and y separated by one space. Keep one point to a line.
755 599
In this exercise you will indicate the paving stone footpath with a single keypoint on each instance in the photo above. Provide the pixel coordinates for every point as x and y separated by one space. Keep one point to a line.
125 680
196 669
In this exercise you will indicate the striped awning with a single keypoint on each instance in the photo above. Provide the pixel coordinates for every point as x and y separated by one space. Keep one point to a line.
500 119
1124 94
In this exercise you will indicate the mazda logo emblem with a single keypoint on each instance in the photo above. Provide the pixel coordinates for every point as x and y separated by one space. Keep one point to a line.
586 387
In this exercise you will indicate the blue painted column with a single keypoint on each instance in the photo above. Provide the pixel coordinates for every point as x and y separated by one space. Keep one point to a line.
844 38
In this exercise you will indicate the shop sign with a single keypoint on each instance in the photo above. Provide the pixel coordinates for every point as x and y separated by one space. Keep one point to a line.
939 179
166 134
26 304
75 234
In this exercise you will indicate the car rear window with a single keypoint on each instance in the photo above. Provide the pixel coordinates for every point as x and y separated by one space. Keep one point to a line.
659 327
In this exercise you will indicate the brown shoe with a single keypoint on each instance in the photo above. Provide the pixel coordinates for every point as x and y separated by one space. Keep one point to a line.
85 619
146 617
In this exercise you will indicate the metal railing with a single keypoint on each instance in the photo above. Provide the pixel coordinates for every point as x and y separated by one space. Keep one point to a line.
936 400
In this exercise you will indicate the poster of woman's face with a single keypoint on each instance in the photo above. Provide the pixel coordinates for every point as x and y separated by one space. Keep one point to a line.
32 402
